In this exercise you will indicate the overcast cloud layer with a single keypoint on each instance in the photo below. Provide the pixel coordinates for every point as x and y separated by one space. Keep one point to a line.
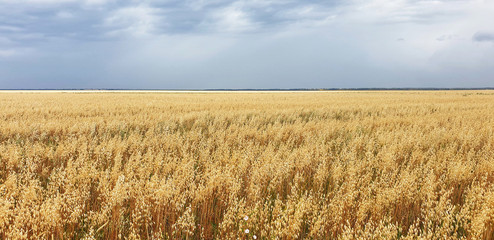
197 44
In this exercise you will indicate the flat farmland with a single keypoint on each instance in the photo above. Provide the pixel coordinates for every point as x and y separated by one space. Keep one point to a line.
247 165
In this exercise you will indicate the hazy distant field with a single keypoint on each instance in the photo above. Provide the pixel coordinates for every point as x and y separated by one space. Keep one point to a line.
285 165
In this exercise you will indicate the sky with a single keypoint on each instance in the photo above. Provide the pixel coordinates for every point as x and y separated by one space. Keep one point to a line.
210 44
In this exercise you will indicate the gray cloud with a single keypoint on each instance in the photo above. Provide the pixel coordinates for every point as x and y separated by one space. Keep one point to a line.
101 19
483 37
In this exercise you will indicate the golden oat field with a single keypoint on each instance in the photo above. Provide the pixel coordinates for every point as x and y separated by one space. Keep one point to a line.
247 165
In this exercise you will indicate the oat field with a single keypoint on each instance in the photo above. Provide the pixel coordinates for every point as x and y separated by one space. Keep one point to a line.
247 165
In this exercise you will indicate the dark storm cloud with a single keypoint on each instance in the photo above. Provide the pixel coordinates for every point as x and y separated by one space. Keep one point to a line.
84 20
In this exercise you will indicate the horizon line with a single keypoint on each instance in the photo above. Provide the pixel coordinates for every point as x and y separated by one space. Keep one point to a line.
249 89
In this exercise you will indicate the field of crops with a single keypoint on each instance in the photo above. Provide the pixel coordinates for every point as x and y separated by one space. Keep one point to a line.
247 165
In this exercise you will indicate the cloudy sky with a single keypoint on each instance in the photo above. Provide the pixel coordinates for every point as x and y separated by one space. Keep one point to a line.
196 44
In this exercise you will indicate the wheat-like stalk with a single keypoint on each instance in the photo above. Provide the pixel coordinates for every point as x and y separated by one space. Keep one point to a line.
258 165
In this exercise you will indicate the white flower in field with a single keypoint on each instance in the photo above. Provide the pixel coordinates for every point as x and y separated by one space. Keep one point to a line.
121 178
246 230
246 218
254 237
